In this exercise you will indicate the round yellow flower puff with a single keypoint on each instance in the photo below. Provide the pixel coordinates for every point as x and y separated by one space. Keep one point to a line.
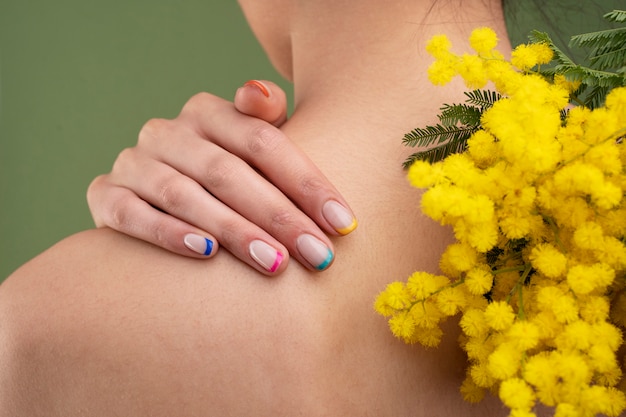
523 334
499 315
483 40
451 300
514 224
503 75
425 315
547 324
612 252
421 174
608 334
395 297
544 53
504 361
402 326
584 279
481 236
460 170
479 280
603 359
594 308
605 156
600 121
516 393
459 257
578 177
588 235
441 72
575 336
548 260
422 285
540 372
614 221
473 323
612 378
606 195
562 305
481 376
561 81
526 57
566 410
471 391
616 103
428 337
483 148
439 46
478 348
569 211
470 68
602 400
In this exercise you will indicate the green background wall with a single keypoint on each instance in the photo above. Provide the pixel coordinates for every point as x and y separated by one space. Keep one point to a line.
78 78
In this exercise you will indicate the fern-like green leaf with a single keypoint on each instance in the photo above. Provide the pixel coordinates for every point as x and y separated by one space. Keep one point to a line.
437 153
618 16
424 137
452 115
607 47
482 98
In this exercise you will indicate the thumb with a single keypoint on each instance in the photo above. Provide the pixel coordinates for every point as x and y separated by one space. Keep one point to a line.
264 100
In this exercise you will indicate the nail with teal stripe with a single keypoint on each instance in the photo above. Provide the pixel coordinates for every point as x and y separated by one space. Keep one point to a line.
314 251
199 244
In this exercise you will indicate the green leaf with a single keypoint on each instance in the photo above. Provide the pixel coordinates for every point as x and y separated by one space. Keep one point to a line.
451 115
482 98
437 153
436 134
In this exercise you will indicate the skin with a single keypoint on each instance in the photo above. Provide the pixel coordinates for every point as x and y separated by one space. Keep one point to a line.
102 324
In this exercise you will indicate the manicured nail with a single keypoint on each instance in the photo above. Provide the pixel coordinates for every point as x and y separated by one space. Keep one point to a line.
199 244
265 255
314 251
339 217
258 84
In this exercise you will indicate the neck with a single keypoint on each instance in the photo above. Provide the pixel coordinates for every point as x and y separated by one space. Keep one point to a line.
360 68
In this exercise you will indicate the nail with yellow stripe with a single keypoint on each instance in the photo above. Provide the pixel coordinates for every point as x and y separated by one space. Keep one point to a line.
339 217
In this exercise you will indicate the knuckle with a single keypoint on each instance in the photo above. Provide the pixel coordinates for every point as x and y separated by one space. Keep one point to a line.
119 217
282 219
160 234
263 138
169 194
220 172
154 129
197 102
124 158
310 185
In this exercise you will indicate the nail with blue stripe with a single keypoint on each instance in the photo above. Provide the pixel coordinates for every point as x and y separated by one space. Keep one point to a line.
199 244
314 251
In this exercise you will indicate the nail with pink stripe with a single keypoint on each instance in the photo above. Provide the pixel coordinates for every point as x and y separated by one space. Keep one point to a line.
265 255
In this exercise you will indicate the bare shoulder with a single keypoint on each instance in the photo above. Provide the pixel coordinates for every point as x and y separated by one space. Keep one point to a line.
102 324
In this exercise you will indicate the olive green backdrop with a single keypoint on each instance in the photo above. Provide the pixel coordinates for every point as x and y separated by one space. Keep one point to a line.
78 78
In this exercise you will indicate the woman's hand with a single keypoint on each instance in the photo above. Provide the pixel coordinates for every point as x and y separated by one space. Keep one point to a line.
223 172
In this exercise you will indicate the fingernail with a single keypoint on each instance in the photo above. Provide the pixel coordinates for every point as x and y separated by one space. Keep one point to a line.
339 217
258 84
199 244
265 255
314 251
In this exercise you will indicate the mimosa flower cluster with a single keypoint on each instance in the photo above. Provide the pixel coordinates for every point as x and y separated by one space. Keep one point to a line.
537 272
